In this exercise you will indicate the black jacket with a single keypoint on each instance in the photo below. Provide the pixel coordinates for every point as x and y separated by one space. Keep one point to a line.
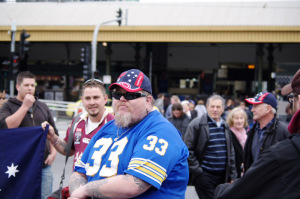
197 138
276 133
275 175
239 154
34 117
180 123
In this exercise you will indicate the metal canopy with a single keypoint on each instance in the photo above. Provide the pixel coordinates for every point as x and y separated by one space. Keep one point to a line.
270 21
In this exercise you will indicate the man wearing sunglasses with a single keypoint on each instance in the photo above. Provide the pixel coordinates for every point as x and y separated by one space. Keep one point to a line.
139 154
94 98
275 174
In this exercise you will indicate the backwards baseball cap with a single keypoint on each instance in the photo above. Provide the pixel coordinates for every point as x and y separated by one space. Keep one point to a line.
263 97
132 81
294 86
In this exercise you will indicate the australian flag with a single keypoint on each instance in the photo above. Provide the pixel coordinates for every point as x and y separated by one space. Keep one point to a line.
21 160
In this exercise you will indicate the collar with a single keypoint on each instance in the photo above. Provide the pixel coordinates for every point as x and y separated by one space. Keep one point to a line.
266 127
221 122
84 116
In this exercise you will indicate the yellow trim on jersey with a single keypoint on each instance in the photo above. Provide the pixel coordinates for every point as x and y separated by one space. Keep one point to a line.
139 162
157 177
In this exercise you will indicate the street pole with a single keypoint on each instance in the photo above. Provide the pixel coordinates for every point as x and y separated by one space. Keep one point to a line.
150 67
94 42
12 51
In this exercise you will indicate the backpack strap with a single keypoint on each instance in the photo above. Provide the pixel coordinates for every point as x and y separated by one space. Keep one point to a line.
69 145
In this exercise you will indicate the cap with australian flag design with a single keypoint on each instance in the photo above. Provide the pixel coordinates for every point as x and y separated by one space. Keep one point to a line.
133 80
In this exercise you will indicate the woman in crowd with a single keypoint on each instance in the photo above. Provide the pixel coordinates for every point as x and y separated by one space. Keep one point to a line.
237 122
179 119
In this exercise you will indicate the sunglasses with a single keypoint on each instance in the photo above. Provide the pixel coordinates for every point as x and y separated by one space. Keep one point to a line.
96 80
127 96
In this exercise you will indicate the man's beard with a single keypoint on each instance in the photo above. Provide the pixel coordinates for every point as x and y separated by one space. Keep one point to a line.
126 120
123 120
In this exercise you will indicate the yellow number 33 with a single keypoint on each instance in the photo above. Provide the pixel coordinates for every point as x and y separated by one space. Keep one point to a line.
153 140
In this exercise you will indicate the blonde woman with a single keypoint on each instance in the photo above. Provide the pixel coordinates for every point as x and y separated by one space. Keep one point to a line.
237 122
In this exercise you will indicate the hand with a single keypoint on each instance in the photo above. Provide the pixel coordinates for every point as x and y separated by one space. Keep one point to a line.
28 101
51 133
50 159
2 101
79 193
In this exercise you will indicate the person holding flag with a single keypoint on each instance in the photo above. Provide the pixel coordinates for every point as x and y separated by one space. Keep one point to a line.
25 110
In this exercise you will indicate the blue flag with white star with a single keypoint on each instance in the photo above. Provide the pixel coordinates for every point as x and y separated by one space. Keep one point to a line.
21 160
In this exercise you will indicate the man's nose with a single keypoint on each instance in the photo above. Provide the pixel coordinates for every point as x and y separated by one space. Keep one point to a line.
122 98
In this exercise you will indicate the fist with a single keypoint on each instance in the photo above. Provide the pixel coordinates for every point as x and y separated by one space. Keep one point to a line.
28 100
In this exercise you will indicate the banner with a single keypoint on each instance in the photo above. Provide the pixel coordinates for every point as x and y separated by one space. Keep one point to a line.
21 160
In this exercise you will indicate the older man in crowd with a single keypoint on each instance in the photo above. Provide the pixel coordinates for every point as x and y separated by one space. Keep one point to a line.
275 174
267 130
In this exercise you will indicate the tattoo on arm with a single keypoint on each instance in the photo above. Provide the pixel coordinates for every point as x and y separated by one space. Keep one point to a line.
77 180
142 185
93 189
63 145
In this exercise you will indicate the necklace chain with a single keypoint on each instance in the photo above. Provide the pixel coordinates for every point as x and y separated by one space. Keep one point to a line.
121 134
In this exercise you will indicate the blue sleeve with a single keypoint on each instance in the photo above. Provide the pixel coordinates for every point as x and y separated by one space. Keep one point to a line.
155 154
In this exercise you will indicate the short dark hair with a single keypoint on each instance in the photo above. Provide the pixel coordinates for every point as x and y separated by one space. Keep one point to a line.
177 107
22 75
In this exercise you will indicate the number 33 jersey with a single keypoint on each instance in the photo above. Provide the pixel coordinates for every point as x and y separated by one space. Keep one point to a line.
151 150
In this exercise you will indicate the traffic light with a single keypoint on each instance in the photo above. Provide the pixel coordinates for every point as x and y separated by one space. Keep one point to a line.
119 16
86 66
24 45
5 68
15 61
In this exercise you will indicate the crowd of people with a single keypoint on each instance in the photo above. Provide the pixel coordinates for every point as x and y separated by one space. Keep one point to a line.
149 148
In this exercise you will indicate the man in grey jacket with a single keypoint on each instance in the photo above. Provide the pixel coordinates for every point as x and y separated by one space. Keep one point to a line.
211 160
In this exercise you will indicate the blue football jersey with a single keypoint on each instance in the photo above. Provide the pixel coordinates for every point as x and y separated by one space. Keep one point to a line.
152 150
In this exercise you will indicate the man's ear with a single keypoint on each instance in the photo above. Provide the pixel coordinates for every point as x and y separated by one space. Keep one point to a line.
17 87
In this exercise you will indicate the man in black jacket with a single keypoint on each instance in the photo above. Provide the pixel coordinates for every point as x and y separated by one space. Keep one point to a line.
275 173
266 131
25 110
211 160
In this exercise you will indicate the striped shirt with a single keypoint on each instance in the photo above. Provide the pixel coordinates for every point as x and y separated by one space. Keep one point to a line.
215 157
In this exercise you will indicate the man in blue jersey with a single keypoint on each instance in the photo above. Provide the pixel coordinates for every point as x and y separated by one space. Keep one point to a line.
137 155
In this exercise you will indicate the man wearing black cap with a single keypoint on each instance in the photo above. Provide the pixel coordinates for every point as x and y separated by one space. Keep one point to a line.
275 174
266 131
139 154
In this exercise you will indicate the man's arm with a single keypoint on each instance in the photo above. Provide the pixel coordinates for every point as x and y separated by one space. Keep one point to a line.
51 155
77 180
15 119
59 144
120 186
190 139
253 181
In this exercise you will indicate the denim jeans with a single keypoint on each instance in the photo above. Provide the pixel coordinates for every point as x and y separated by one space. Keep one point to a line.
47 181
